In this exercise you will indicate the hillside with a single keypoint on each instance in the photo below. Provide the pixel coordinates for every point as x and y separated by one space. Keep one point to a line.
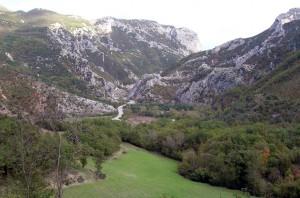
119 47
274 98
20 95
200 77
97 60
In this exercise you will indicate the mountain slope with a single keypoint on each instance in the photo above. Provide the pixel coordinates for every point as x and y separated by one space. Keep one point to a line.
94 60
150 46
22 95
199 77
274 98
104 54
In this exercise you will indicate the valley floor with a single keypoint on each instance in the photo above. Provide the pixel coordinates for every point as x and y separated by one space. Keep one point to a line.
136 173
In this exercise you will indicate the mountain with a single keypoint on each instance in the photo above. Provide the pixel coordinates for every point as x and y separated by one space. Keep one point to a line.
123 49
202 76
95 60
104 54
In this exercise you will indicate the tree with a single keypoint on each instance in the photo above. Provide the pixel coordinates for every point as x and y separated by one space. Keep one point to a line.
54 115
33 160
59 170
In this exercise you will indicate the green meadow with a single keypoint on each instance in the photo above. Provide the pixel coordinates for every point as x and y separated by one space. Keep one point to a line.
137 173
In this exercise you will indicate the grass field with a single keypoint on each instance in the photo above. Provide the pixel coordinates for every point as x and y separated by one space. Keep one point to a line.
141 174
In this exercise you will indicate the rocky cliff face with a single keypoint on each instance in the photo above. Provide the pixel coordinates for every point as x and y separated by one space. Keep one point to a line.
121 49
126 49
96 60
200 77
179 41
107 53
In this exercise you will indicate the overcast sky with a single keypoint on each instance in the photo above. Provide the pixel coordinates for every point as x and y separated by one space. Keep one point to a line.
215 21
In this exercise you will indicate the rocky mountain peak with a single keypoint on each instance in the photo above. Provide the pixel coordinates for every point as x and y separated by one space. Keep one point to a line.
157 35
189 39
292 15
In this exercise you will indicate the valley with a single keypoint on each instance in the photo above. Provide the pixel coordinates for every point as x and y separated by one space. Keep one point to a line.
131 108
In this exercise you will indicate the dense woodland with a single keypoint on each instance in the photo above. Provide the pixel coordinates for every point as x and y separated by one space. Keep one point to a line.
260 158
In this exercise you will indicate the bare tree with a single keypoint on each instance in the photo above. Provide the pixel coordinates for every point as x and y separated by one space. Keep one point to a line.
26 148
26 170
53 115
59 171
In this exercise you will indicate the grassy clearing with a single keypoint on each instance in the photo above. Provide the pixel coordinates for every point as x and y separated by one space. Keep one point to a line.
141 174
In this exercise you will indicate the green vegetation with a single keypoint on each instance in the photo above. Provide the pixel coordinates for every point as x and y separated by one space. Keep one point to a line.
45 18
28 157
26 45
95 138
258 158
249 140
262 159
167 93
228 145
25 158
275 98
163 110
140 174
284 81
41 18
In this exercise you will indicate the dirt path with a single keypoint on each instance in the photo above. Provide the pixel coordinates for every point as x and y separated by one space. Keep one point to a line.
121 110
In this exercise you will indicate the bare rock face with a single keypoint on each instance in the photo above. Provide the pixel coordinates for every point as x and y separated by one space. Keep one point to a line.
180 41
292 15
144 85
69 104
203 75
74 105
75 48
98 60
124 49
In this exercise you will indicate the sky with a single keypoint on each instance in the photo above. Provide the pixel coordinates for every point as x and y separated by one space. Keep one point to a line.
215 21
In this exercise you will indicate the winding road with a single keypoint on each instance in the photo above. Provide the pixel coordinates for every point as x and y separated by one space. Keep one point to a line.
121 110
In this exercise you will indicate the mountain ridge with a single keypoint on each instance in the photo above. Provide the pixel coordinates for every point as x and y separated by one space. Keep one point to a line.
199 77
78 59
81 58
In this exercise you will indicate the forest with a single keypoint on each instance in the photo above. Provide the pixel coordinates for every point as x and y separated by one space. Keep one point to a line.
259 158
